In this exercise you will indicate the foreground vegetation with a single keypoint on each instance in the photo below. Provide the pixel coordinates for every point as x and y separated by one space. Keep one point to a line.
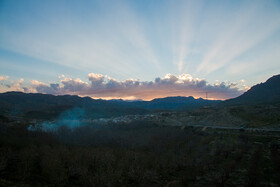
138 154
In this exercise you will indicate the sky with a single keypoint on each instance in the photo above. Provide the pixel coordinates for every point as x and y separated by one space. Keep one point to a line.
135 49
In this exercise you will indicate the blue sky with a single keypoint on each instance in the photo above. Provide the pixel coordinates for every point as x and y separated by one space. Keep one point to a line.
236 42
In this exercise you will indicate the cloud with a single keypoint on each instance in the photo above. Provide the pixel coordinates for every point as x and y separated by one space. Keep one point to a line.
71 85
61 76
105 87
3 78
96 79
42 87
12 85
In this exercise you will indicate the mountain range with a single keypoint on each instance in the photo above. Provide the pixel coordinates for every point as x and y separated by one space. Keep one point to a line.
45 106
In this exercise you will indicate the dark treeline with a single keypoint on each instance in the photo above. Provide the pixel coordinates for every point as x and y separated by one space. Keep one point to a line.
138 154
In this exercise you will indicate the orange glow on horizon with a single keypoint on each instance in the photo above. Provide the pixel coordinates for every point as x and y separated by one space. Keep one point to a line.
151 98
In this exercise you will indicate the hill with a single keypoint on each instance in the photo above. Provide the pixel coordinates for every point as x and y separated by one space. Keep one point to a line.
173 103
263 93
45 106
259 106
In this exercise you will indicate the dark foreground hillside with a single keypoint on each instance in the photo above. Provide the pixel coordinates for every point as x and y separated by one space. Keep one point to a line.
138 154
263 93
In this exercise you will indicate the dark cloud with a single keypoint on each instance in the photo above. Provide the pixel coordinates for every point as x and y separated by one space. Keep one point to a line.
3 78
12 85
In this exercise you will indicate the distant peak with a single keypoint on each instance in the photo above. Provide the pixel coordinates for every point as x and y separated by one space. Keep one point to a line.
14 92
274 78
